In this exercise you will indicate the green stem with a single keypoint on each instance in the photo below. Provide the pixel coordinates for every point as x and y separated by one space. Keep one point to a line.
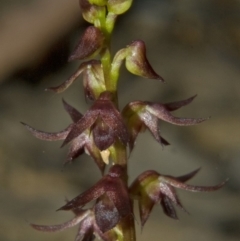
126 226
127 229
106 57
106 65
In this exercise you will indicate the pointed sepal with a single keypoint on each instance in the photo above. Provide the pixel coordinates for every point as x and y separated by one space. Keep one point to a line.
89 45
84 142
93 80
87 229
56 228
137 62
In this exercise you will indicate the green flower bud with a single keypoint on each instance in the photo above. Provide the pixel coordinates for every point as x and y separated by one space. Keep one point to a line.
91 13
137 63
119 6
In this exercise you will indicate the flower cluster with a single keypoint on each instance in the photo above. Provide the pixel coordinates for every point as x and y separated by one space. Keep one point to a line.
114 202
108 134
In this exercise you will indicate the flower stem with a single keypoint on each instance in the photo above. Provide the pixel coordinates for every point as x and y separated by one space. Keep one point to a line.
118 151
126 227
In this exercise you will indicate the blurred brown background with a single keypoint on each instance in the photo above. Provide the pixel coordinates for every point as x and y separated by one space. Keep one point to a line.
194 45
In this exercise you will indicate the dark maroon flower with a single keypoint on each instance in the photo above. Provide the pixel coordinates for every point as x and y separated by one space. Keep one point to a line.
104 121
151 188
113 202
140 115
82 143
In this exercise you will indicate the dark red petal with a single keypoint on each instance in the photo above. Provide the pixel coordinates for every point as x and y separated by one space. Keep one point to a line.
145 208
121 201
111 116
113 119
168 191
74 113
73 155
151 123
103 136
178 104
91 42
76 147
106 214
61 227
84 123
168 207
91 194
176 183
117 192
161 112
69 81
188 176
47 136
